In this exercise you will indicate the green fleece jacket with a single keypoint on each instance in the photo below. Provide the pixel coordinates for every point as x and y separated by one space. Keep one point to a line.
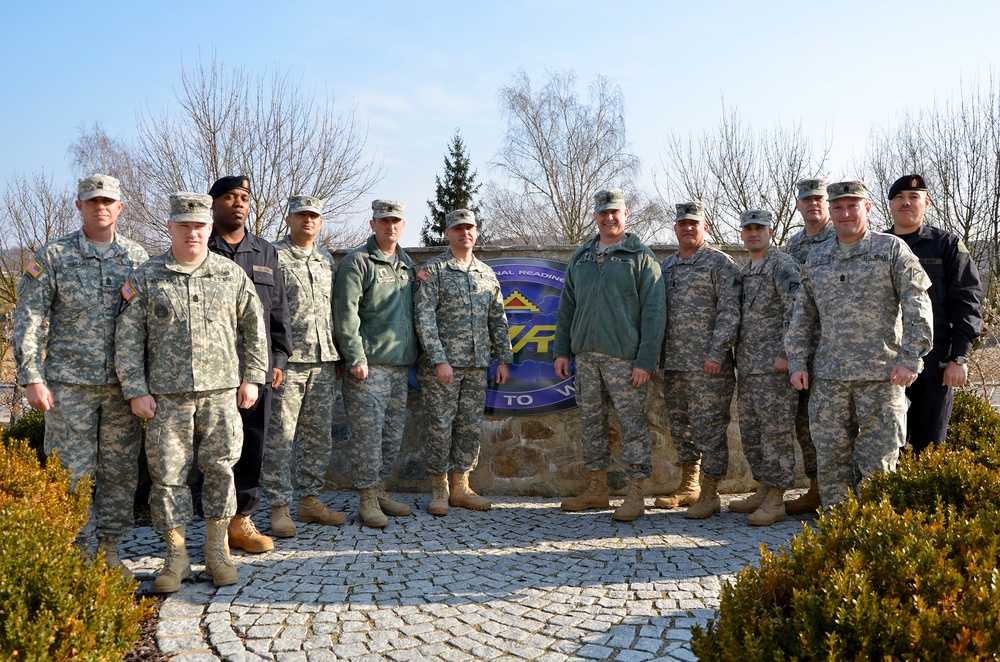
373 308
614 306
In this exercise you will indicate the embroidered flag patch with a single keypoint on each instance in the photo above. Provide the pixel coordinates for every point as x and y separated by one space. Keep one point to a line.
423 275
34 269
127 291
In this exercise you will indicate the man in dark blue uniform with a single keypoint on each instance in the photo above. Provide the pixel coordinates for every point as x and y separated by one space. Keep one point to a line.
259 259
956 297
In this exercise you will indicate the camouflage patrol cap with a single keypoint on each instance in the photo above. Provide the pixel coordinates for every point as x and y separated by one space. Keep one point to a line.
613 198
459 217
811 186
99 186
387 209
689 211
756 217
187 207
850 189
297 203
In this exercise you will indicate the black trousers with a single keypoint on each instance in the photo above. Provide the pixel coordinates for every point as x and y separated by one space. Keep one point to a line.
930 405
246 472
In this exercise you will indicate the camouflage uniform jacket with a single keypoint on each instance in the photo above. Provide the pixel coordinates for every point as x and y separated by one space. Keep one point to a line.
612 306
373 308
459 313
77 290
801 243
872 308
309 288
703 309
177 332
768 297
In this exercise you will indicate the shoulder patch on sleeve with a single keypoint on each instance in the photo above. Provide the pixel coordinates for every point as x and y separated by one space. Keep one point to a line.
128 291
424 275
962 248
34 269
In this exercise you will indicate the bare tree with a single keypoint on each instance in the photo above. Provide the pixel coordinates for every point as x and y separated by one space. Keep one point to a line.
955 145
284 138
558 150
736 167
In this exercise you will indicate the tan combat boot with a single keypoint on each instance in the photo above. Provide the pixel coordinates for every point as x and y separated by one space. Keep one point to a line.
390 506
311 509
807 503
771 511
461 495
243 534
217 560
688 491
634 505
708 502
439 496
176 567
109 546
751 503
369 511
281 522
595 496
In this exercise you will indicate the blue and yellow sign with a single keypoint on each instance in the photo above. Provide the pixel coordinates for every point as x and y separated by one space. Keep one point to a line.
531 290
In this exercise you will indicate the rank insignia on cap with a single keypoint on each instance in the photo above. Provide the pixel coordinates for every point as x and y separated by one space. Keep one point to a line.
915 182
246 183
34 269
423 275
127 291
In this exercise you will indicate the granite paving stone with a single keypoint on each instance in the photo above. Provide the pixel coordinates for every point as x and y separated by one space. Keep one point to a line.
524 580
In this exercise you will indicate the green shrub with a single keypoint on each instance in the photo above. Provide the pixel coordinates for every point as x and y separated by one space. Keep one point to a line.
961 478
30 426
975 426
54 605
869 584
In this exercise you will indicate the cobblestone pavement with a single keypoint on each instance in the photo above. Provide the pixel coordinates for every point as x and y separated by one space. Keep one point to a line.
523 581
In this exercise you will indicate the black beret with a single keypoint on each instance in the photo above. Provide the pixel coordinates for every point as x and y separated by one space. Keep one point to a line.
907 183
227 184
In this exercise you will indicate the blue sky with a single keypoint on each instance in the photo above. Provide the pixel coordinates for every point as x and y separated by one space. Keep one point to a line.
416 71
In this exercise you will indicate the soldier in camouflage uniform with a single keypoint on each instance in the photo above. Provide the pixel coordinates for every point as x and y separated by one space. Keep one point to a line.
767 401
72 283
302 408
703 316
459 316
813 206
868 294
178 321
611 318
373 324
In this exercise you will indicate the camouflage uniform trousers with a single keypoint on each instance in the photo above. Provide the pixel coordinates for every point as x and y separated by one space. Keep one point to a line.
858 427
301 424
94 432
203 424
604 383
376 413
697 405
803 436
453 416
767 407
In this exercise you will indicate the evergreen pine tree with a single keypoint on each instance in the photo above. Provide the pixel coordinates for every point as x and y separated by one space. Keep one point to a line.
455 190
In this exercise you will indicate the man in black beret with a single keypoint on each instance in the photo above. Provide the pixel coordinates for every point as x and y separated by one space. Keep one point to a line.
259 259
956 297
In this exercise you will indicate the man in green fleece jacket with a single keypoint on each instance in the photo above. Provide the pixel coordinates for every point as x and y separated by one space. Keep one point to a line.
611 317
373 323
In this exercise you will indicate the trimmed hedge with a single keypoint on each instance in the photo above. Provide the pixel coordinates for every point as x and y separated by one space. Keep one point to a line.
54 604
909 571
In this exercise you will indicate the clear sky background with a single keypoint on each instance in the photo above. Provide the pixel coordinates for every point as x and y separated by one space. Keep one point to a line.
416 71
